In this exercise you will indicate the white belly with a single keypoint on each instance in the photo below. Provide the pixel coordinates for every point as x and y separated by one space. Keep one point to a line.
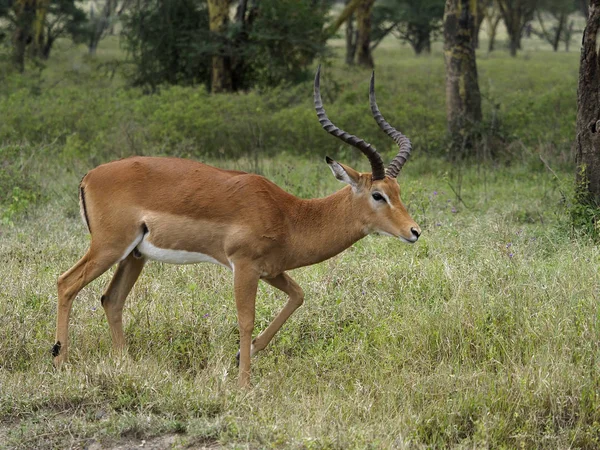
170 256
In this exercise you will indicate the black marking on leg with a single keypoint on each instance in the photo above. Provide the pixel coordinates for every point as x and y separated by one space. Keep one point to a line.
237 359
136 253
144 229
56 349
102 299
83 206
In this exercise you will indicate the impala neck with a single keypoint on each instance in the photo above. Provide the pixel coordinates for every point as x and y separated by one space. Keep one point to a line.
324 227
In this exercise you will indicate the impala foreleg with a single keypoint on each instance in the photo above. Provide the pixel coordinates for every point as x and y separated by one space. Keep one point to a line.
93 264
245 282
284 283
114 297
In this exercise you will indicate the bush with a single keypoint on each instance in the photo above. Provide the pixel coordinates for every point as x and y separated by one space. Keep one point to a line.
272 43
18 189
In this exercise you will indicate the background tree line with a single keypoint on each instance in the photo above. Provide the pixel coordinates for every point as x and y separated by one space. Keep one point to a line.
232 45
236 44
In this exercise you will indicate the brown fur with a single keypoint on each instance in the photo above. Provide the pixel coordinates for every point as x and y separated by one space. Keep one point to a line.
239 219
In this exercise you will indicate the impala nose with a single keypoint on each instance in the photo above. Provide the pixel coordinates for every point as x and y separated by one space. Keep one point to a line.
416 232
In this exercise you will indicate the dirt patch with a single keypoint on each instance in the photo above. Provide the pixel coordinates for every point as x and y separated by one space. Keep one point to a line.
168 442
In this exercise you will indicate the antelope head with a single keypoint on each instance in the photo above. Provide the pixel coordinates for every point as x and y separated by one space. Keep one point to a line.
376 195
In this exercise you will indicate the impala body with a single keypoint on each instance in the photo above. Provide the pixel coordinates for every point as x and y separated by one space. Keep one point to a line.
181 211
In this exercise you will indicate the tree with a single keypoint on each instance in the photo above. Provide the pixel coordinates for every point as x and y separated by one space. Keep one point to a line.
415 22
492 18
346 13
22 17
568 34
587 141
479 18
63 18
103 20
363 39
351 39
168 42
36 24
266 43
463 100
516 15
218 12
559 11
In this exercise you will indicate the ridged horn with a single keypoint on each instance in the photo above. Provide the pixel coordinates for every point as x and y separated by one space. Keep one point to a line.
377 166
402 141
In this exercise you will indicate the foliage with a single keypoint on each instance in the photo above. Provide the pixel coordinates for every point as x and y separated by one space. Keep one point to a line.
274 43
559 11
168 42
39 26
584 213
65 18
557 7
285 37
417 23
90 118
19 191
516 15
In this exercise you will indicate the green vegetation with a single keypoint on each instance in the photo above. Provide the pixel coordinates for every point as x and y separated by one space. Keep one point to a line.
484 334
266 46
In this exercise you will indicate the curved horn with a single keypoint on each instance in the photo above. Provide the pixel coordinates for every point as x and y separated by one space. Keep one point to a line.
377 166
402 141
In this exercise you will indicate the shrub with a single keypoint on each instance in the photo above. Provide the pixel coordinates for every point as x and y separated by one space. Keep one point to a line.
18 190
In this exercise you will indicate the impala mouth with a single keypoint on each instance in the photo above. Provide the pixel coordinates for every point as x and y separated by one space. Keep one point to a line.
409 241
412 240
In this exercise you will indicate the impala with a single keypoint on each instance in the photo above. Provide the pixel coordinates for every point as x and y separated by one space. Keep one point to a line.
180 211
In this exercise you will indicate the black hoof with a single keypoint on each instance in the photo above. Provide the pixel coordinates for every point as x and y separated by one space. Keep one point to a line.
237 359
56 349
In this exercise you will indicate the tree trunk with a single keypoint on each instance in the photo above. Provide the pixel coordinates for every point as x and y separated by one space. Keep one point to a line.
515 43
568 34
47 47
20 38
516 14
350 7
421 42
478 21
583 7
351 38
222 81
38 27
463 99
558 32
587 141
492 29
23 34
363 40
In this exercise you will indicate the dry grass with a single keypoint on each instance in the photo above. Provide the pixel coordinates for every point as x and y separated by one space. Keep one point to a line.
485 333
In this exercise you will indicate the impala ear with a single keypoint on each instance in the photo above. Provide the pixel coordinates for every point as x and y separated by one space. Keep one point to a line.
343 173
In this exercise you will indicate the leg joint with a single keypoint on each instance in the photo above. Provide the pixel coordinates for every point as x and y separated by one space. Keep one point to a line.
297 296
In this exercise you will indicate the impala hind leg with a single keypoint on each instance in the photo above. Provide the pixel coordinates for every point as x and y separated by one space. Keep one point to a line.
93 264
114 297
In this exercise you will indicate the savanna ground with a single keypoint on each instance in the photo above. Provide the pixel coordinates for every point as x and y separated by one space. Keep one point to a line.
484 334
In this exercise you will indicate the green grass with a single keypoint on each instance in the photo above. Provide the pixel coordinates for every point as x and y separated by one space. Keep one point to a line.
484 334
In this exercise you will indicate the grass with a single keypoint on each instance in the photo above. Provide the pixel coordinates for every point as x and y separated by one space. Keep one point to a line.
484 334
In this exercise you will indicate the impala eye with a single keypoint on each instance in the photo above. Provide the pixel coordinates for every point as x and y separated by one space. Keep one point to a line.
378 197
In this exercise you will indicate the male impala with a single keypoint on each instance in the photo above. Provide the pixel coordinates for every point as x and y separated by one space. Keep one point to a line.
180 211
